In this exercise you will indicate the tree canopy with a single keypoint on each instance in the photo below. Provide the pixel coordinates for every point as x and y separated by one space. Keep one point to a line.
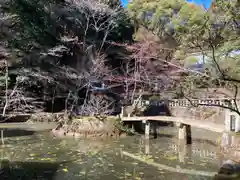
212 34
192 27
56 48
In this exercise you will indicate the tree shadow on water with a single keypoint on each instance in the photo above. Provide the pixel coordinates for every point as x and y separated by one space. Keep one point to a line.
17 132
28 170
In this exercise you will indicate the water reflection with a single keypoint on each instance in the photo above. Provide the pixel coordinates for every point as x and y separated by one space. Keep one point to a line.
147 147
230 145
28 170
184 151
164 158
16 132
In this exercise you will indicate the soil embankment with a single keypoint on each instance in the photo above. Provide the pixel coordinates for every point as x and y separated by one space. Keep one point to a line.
61 125
90 127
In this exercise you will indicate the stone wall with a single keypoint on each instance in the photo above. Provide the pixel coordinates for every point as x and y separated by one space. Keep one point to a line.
207 111
213 114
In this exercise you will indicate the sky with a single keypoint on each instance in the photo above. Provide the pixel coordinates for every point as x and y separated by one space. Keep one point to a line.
205 3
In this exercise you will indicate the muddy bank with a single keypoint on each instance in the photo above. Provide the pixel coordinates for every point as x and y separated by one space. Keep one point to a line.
62 125
90 127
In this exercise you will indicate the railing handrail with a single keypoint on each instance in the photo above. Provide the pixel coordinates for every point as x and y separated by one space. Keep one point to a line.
189 102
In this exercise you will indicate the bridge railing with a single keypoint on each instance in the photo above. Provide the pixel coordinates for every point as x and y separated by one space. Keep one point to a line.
188 103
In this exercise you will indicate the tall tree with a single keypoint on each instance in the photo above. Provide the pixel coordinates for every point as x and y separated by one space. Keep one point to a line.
58 47
212 33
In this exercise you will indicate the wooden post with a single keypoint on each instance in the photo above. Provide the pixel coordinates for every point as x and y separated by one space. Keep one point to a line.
185 133
237 124
147 128
232 121
132 127
154 129
189 134
182 132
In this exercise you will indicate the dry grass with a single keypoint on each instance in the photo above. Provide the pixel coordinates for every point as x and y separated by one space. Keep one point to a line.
91 127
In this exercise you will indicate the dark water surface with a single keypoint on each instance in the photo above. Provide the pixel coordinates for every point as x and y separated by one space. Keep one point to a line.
40 156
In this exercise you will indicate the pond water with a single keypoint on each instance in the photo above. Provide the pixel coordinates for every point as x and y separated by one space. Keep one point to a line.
41 156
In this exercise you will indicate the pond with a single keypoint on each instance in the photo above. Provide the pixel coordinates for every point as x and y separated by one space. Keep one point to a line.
39 155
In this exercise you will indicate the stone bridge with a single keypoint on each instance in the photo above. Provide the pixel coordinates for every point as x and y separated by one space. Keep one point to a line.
210 110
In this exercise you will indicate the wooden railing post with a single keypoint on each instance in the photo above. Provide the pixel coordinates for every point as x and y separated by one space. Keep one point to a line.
182 132
154 125
147 128
232 121
185 133
189 134
237 125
